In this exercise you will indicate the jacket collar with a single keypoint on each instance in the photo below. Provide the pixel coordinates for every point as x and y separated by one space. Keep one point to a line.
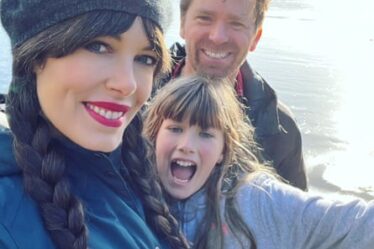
87 160
8 164
187 210
262 102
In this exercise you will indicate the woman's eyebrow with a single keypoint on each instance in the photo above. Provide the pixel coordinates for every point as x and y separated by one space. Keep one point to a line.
149 48
119 38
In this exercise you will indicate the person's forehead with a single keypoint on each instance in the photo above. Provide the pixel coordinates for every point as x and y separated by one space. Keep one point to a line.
232 8
231 3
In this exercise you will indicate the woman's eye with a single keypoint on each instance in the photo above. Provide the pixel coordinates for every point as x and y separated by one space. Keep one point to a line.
147 60
97 47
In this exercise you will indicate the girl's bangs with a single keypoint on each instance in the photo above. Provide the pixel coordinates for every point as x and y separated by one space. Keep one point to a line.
198 105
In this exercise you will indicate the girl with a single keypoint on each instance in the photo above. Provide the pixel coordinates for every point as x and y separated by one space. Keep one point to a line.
221 195
73 172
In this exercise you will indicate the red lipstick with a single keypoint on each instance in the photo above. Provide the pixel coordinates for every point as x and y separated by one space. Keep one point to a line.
107 113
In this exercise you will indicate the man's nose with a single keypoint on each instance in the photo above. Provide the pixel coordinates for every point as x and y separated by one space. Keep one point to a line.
219 33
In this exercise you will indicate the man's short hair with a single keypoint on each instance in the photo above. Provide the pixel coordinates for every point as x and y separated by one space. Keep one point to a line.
260 9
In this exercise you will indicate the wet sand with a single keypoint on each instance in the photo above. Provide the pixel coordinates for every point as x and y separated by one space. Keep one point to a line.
319 185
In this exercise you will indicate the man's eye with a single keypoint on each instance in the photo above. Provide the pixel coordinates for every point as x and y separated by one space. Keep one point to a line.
97 47
203 18
237 24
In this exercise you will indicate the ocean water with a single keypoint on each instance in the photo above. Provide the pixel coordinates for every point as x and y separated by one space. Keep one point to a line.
319 57
5 61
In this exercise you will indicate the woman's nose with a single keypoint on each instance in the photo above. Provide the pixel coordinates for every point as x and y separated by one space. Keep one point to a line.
123 79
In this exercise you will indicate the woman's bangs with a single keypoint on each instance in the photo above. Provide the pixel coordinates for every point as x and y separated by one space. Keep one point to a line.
83 29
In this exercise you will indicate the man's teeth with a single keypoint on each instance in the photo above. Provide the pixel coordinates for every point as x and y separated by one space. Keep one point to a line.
184 163
105 113
216 55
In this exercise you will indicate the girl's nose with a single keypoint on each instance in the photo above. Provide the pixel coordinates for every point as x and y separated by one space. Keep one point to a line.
187 143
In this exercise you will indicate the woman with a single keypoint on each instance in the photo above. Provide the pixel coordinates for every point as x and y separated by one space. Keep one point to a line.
72 167
222 196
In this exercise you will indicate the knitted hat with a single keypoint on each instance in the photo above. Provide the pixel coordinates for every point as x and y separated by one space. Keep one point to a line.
23 19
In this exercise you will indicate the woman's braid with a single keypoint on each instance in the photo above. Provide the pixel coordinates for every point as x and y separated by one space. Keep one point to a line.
43 169
145 177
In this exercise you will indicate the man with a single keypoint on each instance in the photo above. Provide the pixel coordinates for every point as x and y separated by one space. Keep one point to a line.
218 36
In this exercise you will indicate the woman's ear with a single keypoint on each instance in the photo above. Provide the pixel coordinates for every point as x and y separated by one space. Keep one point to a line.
38 68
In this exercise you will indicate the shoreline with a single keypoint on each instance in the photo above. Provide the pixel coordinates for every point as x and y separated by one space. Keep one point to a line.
319 185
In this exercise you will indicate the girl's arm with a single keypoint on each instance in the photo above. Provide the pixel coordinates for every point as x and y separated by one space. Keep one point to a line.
281 216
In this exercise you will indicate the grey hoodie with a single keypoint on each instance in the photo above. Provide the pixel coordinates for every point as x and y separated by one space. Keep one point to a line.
282 217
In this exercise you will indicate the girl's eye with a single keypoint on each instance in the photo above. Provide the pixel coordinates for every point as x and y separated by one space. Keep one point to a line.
147 60
206 134
97 47
175 129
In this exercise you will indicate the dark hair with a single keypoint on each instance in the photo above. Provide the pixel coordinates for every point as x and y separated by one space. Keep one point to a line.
212 103
260 9
42 160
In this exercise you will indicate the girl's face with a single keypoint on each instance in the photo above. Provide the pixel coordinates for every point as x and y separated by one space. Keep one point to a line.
91 95
186 156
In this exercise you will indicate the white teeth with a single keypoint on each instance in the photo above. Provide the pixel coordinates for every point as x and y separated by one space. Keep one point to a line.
105 113
216 55
184 163
180 180
94 108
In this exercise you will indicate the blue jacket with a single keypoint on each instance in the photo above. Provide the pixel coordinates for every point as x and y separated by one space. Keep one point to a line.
113 213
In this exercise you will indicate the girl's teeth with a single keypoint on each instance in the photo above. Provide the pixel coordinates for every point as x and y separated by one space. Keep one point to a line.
184 163
216 55
105 113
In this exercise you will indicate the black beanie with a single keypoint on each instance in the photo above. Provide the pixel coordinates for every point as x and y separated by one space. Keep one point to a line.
23 19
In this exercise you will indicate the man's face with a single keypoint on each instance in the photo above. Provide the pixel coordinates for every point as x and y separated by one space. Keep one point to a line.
218 36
